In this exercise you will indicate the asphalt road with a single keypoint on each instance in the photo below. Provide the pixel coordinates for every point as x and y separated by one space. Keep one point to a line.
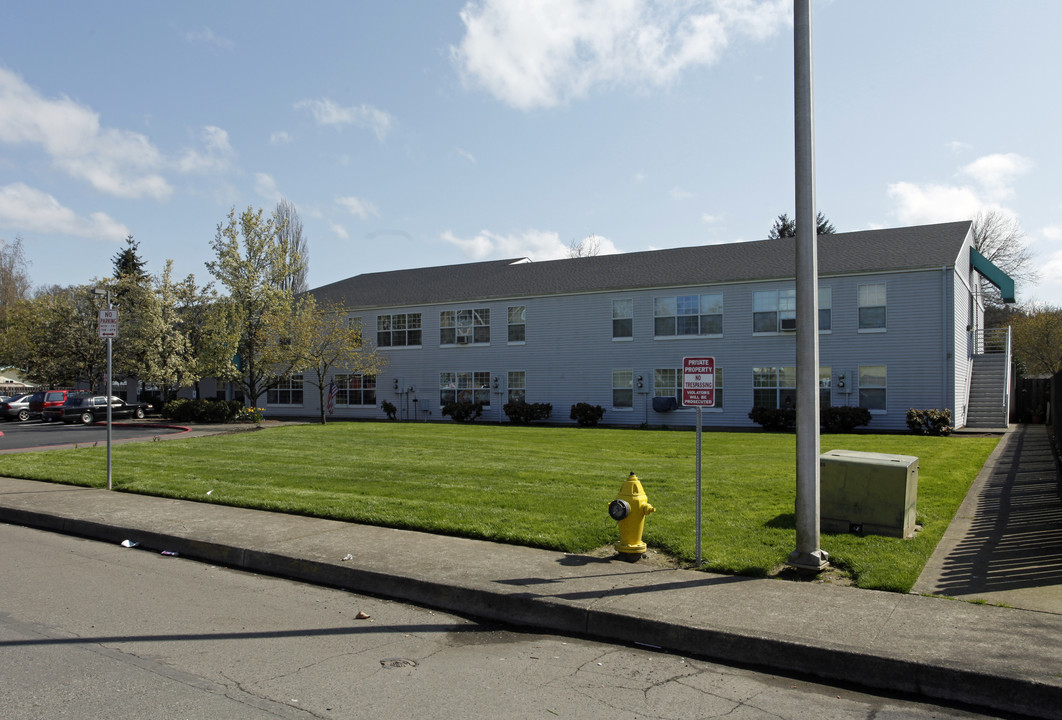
90 630
35 435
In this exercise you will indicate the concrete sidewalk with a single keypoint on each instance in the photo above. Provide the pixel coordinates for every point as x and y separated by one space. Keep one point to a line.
1001 658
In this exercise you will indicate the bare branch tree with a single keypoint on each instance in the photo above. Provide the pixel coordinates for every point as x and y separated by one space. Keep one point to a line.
999 237
590 246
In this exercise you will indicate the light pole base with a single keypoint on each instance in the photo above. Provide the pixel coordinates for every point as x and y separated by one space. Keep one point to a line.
809 561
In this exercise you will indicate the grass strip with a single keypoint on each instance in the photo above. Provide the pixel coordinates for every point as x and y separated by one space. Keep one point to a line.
538 486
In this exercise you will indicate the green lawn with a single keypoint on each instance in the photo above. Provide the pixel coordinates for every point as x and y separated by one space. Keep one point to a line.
545 487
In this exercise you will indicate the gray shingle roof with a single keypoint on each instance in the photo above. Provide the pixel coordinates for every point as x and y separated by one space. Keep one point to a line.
909 248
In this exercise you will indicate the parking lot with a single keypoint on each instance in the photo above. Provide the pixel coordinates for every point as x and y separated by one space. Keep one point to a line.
34 435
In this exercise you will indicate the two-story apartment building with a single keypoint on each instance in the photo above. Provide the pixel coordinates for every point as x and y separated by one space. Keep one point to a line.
899 312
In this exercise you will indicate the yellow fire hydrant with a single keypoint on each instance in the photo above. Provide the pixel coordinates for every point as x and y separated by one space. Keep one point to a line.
630 509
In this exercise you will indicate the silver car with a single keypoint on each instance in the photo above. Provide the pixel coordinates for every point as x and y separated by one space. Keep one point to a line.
15 408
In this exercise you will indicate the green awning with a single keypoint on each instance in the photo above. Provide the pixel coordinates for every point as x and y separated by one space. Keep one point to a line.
993 274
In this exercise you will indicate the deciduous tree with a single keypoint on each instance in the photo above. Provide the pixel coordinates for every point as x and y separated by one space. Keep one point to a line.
323 339
254 266
1037 339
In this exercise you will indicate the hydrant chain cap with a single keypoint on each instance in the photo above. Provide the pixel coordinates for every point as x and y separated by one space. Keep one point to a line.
619 509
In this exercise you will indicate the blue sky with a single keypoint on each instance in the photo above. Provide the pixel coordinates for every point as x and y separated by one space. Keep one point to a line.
415 134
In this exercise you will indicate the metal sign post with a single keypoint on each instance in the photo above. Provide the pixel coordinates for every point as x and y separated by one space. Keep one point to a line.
698 390
108 322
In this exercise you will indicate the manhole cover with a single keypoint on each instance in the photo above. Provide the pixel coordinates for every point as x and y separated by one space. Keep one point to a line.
398 663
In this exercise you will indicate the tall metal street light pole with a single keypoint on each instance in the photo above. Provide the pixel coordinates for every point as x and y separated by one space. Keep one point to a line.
808 555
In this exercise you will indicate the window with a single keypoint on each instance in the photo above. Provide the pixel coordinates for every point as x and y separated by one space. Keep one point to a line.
623 388
355 390
825 309
517 386
668 383
398 330
471 387
773 311
825 383
872 383
774 387
872 307
622 319
517 323
464 327
287 392
688 315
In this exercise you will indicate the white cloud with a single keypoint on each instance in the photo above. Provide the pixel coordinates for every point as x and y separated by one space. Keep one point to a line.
678 193
217 156
957 146
340 232
357 206
922 204
279 137
1052 232
538 245
208 36
996 172
31 210
709 219
266 186
929 203
467 155
113 161
540 54
326 112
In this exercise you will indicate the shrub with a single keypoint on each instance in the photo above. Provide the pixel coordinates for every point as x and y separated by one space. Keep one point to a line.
204 411
843 419
463 411
523 413
774 419
248 414
390 409
929 422
586 414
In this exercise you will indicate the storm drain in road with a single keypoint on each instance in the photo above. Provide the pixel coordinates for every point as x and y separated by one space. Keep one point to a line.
397 663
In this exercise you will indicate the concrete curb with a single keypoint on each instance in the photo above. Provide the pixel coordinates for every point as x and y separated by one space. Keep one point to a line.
606 613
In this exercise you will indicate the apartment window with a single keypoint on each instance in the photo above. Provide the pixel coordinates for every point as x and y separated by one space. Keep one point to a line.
517 323
517 386
623 388
471 387
872 307
825 309
464 327
773 311
287 392
872 385
398 330
667 382
774 387
688 315
354 389
622 319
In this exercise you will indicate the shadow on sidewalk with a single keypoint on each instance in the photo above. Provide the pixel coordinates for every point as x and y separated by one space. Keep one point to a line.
1015 540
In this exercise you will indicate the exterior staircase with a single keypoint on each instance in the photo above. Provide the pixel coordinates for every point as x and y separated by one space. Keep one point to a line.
988 403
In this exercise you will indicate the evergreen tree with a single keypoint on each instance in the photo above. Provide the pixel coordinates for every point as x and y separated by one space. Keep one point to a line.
784 227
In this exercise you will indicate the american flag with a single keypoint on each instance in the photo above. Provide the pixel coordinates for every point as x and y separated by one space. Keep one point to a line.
333 390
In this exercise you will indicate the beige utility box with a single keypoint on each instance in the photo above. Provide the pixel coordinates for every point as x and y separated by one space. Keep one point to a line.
868 493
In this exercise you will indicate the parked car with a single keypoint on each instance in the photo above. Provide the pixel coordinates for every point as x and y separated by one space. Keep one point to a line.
50 398
16 407
90 409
